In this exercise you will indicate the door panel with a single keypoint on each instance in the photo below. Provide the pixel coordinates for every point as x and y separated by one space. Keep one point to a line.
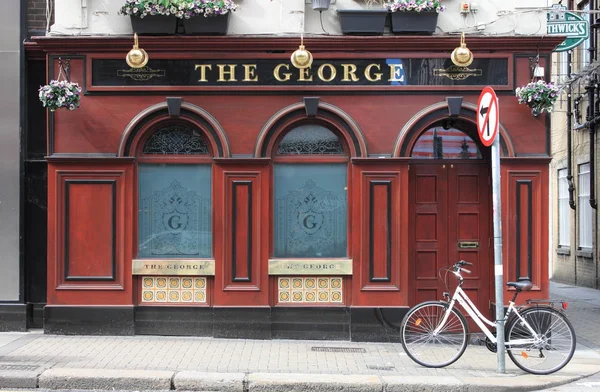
429 204
450 208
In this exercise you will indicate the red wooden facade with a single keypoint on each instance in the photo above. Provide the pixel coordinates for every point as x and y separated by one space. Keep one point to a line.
406 216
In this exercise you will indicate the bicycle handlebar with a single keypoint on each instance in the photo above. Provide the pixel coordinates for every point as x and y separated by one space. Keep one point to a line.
458 267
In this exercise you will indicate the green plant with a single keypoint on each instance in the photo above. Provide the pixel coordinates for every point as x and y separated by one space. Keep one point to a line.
414 5
539 95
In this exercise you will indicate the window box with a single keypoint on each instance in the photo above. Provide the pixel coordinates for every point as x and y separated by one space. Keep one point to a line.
209 25
362 22
414 22
154 24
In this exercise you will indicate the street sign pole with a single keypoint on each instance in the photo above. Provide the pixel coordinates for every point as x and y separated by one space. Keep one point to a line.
488 116
498 269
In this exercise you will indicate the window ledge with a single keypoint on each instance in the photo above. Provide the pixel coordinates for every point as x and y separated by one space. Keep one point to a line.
585 253
563 251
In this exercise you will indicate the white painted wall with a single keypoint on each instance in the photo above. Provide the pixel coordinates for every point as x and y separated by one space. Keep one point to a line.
494 17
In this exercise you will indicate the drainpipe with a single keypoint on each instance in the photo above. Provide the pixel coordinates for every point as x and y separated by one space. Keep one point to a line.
569 138
592 110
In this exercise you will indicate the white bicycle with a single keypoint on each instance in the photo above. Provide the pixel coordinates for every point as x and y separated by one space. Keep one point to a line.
538 337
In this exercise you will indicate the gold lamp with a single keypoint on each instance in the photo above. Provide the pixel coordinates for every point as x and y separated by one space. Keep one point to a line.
462 56
136 57
301 58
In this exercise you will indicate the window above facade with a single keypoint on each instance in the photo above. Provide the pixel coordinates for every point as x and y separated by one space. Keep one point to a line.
441 143
176 140
564 211
174 194
310 139
310 180
584 208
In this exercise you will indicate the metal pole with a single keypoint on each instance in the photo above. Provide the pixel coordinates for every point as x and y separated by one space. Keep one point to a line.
498 273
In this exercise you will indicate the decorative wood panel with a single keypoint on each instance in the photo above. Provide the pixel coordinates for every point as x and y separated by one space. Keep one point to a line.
525 223
380 231
241 236
89 231
90 252
241 233
380 215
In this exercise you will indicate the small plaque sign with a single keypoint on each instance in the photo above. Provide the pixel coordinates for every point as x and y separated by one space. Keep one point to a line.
310 267
198 267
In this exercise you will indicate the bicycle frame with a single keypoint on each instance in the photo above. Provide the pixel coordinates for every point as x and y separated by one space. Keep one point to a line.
461 297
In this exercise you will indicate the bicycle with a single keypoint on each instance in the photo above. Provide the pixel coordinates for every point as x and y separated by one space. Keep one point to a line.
539 338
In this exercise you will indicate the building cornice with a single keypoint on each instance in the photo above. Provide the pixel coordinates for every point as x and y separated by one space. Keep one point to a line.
37 46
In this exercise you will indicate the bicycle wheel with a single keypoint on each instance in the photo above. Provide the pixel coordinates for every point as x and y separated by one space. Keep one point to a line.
552 350
429 349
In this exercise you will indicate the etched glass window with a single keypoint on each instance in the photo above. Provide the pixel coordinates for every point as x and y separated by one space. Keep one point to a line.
174 211
176 139
310 139
310 210
440 143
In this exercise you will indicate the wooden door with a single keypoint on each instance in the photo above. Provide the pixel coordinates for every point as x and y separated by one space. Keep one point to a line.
450 209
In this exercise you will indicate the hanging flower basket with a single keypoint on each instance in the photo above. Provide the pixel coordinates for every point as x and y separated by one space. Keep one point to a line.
539 96
60 94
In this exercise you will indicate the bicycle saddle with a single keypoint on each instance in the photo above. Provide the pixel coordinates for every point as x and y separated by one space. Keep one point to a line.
522 285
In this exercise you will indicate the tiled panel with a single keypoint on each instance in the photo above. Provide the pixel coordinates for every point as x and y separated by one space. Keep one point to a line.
309 290
173 289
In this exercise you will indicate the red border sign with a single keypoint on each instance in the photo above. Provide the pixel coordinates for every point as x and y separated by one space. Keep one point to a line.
488 116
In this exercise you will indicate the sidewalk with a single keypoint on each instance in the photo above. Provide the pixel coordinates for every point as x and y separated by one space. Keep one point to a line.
35 360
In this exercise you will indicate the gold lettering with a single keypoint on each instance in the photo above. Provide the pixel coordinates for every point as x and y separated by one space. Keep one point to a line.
249 73
349 73
286 76
203 68
376 76
304 74
332 72
230 72
393 69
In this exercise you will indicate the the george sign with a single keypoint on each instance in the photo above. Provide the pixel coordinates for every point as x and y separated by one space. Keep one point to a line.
310 267
569 24
198 267
260 73
488 118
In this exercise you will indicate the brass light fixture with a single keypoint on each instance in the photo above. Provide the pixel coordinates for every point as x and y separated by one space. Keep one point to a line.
462 56
136 57
301 58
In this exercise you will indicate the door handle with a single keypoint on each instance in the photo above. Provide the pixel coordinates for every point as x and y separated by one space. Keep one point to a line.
468 244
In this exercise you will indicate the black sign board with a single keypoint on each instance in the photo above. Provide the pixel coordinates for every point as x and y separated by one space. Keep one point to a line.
323 72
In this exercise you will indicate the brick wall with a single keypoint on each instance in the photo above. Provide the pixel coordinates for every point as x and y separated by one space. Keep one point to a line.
36 15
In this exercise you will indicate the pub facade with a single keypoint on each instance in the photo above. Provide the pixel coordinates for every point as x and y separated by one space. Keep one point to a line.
221 191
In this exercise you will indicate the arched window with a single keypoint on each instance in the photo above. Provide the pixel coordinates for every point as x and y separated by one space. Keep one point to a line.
310 193
174 193
441 143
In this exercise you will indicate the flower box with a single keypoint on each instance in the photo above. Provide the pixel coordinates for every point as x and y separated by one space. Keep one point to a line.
154 24
362 22
414 22
209 25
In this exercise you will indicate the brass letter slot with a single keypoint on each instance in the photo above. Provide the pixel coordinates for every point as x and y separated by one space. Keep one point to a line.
466 244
